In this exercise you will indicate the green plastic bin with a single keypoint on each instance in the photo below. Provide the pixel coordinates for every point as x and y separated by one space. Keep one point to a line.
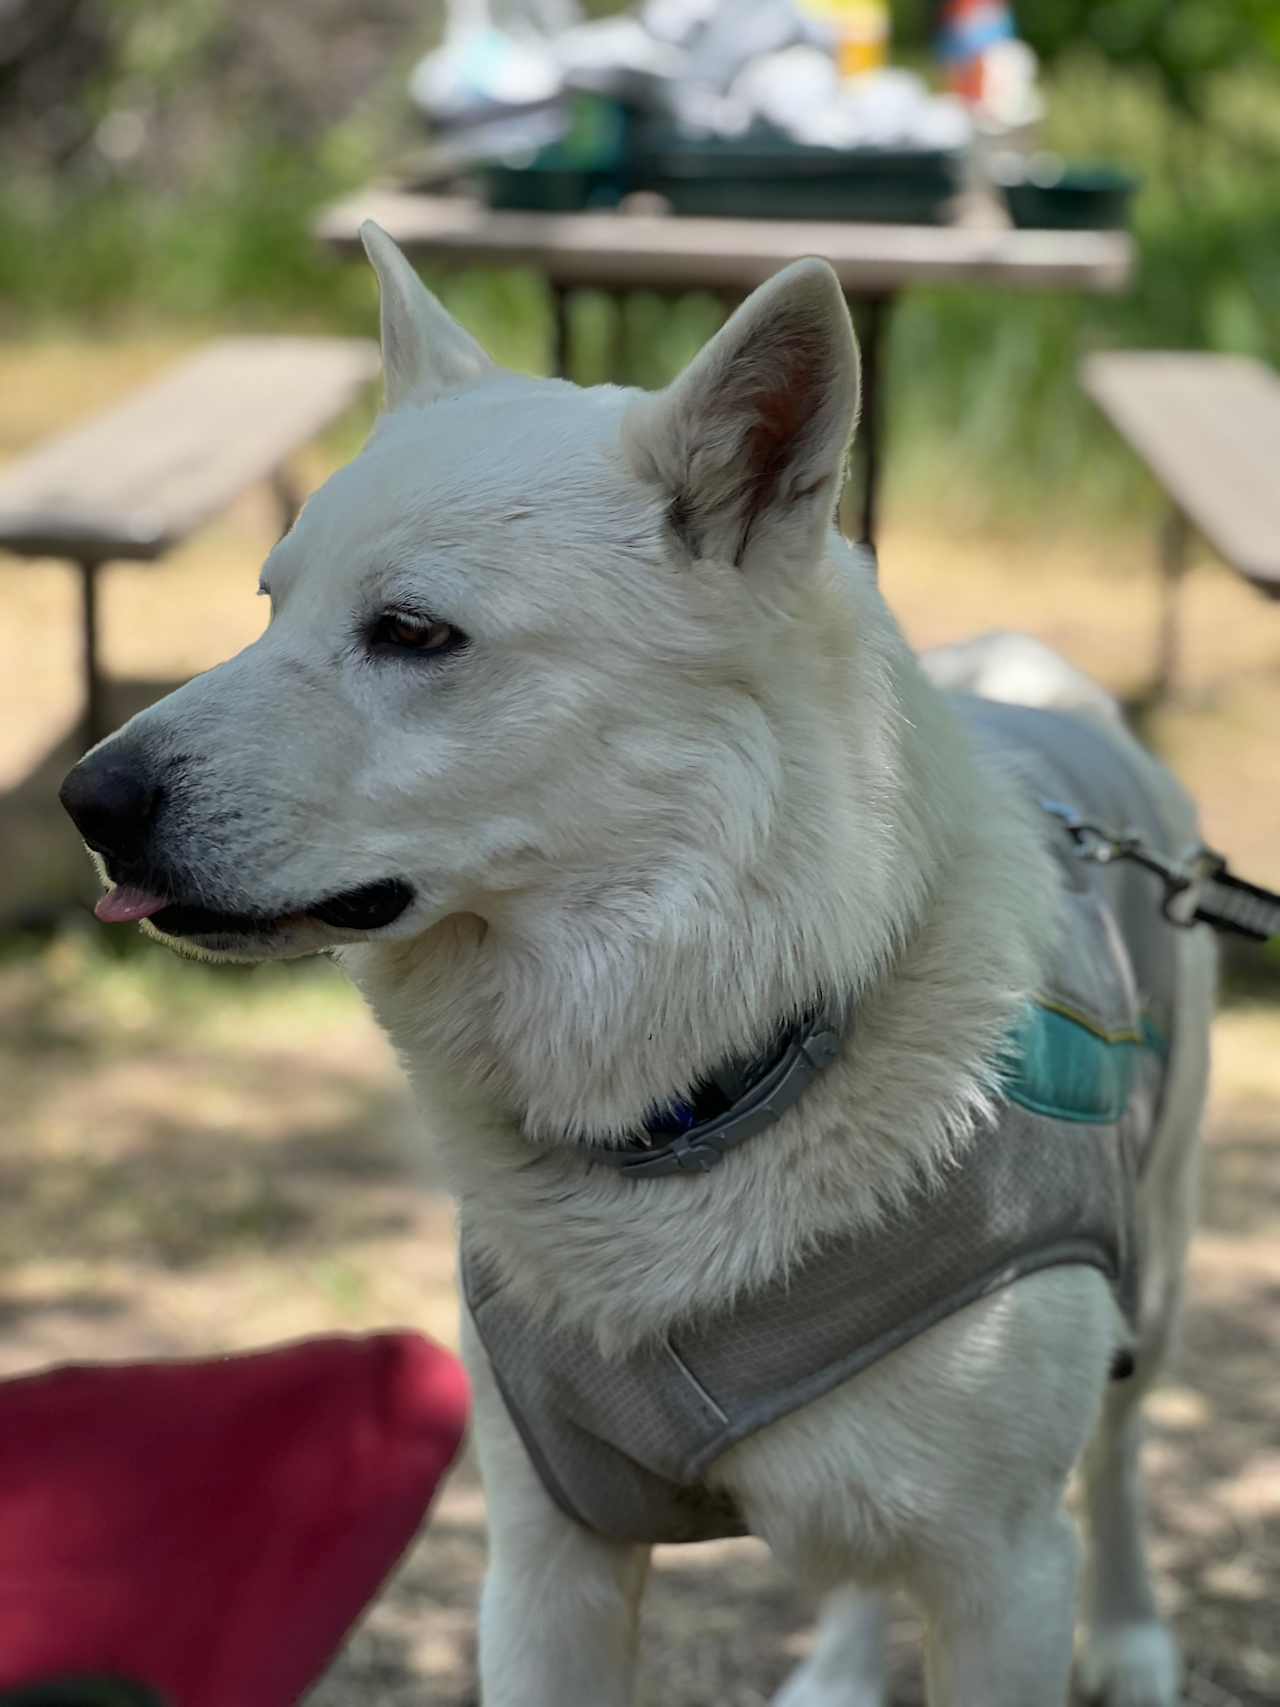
776 179
1079 198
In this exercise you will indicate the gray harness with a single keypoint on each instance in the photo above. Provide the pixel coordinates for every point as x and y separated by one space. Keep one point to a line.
624 1445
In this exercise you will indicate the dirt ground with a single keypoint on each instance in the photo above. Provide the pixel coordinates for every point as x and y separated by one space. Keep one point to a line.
193 1161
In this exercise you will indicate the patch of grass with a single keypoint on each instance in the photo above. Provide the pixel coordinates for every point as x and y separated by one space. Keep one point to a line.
235 249
100 992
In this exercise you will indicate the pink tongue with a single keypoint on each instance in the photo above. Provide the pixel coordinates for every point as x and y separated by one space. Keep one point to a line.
125 903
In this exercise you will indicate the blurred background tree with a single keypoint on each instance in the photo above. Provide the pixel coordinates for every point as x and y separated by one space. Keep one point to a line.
1184 44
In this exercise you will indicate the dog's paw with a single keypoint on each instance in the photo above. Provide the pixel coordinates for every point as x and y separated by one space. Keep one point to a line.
1132 1665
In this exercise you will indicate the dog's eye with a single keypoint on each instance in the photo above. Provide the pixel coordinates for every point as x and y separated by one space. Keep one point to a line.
395 632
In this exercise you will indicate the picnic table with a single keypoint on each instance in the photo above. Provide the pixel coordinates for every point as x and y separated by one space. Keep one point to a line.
617 253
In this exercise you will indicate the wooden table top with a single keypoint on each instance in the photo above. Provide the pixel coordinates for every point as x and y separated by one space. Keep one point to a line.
651 251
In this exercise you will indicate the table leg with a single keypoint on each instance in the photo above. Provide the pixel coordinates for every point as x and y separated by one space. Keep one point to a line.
873 330
619 339
288 496
93 717
560 339
1174 537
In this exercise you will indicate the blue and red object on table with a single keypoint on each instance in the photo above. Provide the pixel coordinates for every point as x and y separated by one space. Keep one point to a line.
967 31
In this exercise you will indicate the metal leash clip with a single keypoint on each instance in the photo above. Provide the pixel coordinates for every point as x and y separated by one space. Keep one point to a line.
1198 890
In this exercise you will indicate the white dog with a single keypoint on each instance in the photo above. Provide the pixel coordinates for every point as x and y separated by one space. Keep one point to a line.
592 751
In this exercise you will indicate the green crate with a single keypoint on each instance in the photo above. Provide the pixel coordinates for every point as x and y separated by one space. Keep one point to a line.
539 188
774 179
1081 198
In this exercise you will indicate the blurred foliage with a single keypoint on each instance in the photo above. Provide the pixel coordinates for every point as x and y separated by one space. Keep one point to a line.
153 89
167 155
1000 407
1184 43
166 158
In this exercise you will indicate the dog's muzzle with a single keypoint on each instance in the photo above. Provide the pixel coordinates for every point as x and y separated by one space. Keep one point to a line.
114 799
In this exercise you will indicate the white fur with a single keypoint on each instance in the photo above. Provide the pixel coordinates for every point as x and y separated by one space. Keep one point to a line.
686 775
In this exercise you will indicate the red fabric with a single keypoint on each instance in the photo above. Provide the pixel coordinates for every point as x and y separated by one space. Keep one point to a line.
214 1528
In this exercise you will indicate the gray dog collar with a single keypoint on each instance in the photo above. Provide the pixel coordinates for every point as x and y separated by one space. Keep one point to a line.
757 1091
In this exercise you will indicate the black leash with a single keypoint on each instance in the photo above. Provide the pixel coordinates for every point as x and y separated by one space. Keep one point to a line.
1198 890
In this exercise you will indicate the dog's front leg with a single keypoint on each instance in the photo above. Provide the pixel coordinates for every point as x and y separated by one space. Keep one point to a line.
559 1612
1000 1622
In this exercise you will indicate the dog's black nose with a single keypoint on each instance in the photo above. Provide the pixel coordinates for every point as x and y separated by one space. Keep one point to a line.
112 799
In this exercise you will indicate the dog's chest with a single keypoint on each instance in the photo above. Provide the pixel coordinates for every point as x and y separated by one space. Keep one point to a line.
625 1444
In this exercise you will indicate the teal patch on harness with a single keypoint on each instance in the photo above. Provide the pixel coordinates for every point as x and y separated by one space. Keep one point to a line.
1059 1065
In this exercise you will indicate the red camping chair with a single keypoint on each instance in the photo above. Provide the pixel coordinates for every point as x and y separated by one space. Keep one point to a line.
211 1530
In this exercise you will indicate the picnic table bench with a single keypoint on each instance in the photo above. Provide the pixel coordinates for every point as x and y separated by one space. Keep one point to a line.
1208 428
137 480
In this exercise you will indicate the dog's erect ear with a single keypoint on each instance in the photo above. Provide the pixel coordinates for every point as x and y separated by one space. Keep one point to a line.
750 441
425 353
